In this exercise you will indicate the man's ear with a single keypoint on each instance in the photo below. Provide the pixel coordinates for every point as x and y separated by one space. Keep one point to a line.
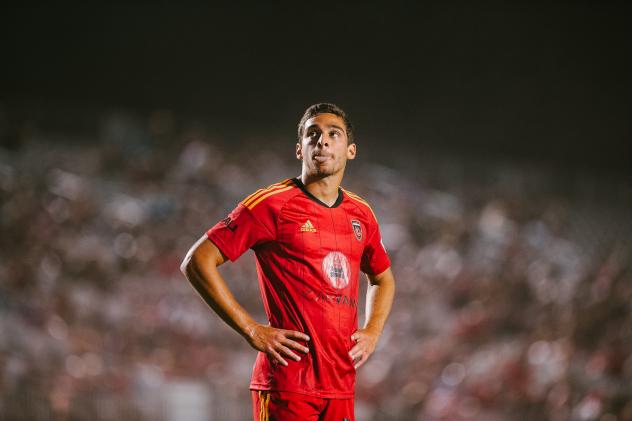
299 152
351 151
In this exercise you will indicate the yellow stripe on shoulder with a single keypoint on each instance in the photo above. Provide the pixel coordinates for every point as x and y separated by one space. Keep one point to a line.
361 200
250 199
264 196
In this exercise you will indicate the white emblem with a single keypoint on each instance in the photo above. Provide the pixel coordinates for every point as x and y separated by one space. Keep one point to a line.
337 270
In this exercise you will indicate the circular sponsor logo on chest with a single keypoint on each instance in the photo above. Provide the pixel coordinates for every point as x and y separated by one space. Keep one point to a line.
337 269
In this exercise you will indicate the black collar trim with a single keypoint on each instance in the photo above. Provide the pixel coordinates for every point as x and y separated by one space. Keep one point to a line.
301 186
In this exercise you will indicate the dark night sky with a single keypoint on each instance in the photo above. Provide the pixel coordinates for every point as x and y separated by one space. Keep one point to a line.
542 82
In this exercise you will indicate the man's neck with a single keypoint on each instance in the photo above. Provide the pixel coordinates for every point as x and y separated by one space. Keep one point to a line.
324 189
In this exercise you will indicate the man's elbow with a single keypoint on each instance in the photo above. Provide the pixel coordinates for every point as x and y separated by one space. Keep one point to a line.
189 261
185 264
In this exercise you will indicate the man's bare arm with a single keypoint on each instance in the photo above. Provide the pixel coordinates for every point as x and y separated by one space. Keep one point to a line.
379 299
200 268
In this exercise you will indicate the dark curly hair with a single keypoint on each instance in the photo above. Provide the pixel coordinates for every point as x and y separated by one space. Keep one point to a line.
322 108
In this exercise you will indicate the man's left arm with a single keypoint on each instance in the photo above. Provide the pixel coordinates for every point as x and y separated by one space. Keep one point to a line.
379 298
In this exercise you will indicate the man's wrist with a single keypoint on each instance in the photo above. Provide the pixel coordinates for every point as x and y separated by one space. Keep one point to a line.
249 330
373 330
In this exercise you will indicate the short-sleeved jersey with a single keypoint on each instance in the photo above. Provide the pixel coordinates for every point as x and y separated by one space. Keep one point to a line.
309 257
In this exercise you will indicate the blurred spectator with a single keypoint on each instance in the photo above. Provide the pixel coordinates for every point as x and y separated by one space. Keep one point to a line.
514 284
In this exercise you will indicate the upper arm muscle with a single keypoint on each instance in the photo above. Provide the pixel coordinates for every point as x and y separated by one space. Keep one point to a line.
204 251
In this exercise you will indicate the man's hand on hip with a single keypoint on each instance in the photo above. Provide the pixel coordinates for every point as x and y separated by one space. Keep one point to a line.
276 343
365 340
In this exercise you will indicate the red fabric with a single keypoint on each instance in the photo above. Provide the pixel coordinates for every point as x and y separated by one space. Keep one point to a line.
308 275
288 406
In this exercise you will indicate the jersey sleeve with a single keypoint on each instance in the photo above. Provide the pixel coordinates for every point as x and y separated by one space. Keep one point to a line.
375 259
239 231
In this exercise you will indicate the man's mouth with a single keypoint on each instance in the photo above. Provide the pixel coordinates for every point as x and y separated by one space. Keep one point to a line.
322 158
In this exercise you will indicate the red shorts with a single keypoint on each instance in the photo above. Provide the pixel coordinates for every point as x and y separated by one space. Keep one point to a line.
289 406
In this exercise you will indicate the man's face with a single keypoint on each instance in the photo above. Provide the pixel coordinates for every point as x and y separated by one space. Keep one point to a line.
324 147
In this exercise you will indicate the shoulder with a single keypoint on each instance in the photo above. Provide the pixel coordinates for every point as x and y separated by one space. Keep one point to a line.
272 197
361 204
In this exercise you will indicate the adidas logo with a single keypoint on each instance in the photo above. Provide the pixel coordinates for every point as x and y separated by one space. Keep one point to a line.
308 227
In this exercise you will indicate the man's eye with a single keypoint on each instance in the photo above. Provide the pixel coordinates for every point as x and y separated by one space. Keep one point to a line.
311 134
334 133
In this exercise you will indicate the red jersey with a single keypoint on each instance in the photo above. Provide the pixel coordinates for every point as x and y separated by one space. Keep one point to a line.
309 257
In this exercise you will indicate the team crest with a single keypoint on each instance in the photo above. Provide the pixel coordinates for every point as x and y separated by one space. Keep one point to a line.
357 229
337 270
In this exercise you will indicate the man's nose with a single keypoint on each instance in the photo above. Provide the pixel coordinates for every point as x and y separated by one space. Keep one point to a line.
323 140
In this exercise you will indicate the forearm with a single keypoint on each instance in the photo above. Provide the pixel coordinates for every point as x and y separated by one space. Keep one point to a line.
200 268
379 300
210 285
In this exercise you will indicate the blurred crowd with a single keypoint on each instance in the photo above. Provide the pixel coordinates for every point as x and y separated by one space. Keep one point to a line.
513 301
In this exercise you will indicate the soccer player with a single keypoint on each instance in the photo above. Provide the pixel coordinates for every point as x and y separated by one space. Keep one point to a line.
311 239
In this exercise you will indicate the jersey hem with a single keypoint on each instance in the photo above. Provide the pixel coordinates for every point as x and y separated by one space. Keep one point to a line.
218 242
377 272
324 395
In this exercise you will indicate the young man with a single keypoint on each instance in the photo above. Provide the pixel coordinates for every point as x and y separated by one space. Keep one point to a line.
311 238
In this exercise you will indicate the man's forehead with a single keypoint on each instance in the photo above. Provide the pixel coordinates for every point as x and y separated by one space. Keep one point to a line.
326 119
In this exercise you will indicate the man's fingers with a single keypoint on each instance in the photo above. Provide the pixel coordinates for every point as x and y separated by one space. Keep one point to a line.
295 345
355 352
278 357
364 345
361 362
296 335
287 351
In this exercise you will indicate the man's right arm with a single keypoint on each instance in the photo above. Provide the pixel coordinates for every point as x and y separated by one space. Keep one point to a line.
200 268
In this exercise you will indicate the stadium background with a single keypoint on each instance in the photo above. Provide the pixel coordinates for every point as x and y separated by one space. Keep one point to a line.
494 144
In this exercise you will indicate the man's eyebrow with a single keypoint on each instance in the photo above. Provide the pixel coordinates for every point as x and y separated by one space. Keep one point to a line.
328 126
337 127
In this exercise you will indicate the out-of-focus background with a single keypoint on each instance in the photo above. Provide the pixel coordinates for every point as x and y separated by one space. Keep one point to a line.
494 145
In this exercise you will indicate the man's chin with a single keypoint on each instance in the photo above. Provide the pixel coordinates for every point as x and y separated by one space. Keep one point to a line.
324 171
